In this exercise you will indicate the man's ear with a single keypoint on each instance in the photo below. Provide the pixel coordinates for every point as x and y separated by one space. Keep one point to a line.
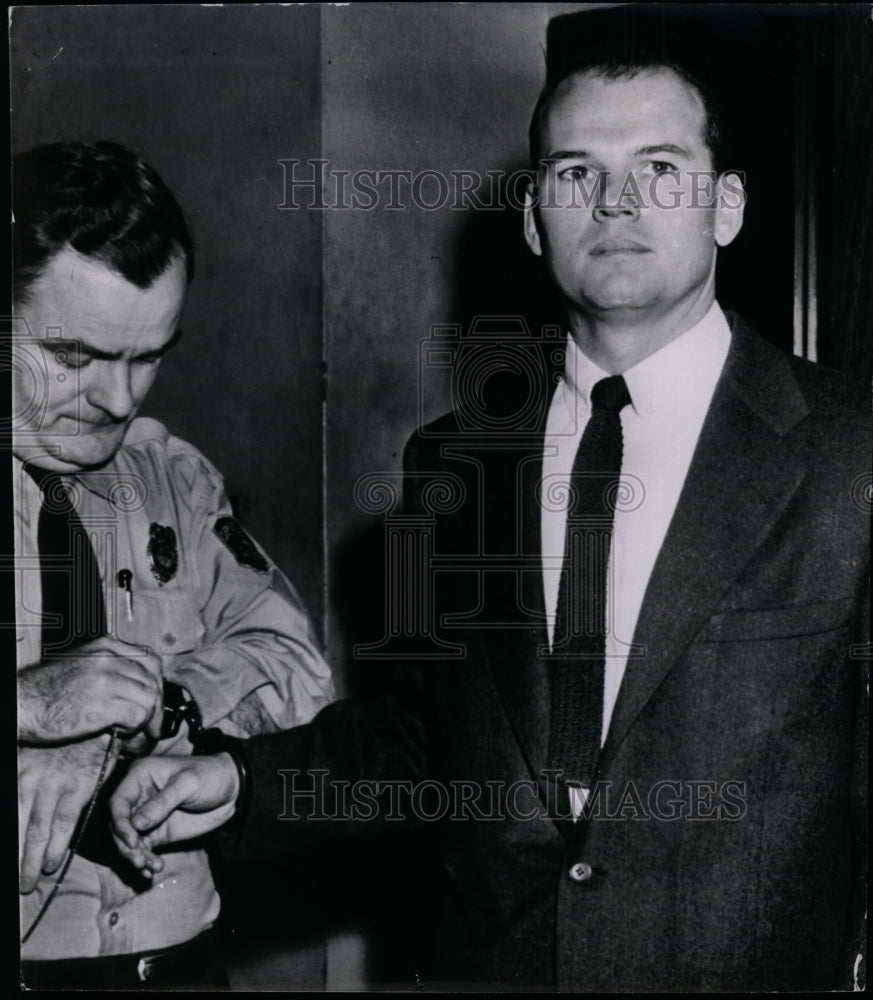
531 231
731 201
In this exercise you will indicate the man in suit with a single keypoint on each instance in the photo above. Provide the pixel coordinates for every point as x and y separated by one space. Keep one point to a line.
660 697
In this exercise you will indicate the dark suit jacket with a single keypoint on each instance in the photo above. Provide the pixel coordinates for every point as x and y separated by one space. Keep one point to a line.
727 853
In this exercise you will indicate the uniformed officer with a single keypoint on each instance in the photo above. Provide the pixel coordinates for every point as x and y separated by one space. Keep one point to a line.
142 604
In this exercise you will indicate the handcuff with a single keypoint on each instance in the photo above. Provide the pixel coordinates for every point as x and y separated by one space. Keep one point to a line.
179 707
94 840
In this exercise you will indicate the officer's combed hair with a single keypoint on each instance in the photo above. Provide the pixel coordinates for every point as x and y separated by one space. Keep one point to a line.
103 201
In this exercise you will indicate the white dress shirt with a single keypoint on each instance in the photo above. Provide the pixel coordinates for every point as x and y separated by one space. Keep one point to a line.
670 392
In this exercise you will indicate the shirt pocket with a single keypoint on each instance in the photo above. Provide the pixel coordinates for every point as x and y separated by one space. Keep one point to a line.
782 622
163 621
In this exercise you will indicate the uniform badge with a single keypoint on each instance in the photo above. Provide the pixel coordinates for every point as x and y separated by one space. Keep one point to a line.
162 552
235 538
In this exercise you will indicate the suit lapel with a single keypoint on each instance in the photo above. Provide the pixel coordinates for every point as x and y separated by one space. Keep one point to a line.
741 478
512 477
515 597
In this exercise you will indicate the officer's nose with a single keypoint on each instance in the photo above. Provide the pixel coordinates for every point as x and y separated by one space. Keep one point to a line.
111 390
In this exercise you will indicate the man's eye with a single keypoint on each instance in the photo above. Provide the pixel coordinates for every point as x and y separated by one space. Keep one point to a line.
577 173
663 167
68 357
148 359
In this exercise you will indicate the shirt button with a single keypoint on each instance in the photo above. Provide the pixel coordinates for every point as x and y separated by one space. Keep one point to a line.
113 919
580 872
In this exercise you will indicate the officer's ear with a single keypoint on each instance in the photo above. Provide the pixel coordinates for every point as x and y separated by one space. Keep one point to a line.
531 228
730 202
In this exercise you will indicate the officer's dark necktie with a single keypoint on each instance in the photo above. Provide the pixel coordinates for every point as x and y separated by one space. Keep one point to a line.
73 613
72 593
579 641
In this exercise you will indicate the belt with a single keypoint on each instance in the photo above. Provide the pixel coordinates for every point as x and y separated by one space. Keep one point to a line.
195 963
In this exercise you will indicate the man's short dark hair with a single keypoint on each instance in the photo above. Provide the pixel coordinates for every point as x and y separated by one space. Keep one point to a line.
103 201
715 134
700 43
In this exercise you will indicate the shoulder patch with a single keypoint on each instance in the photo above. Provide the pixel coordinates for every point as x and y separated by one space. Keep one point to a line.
237 540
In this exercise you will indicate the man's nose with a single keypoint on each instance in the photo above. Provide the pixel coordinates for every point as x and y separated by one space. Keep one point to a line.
112 391
616 200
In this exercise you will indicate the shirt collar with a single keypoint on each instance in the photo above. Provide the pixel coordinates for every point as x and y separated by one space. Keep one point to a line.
673 378
26 492
102 481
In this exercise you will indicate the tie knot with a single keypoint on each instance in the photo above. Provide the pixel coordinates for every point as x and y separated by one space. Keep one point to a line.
610 394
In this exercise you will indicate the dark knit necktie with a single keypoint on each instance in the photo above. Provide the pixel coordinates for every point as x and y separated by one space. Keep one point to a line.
72 594
579 643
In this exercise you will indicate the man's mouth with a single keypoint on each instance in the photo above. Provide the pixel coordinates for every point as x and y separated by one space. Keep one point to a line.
608 247
94 425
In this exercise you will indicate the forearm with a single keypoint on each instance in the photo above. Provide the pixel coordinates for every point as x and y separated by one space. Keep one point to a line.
250 718
281 680
42 699
97 689
31 729
304 781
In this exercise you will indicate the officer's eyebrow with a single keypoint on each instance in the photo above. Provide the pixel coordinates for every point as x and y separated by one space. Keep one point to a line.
81 347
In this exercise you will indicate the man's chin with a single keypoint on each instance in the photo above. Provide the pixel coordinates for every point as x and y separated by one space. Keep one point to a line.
74 455
620 306
92 458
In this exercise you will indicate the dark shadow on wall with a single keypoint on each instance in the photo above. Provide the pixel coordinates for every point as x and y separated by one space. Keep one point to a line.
495 273
499 287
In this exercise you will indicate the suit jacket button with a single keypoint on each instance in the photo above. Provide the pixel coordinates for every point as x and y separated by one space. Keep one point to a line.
580 872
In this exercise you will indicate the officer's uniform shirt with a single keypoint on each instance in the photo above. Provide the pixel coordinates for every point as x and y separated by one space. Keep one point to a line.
670 392
223 621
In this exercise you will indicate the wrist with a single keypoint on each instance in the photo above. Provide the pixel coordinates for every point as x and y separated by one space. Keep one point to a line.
214 741
138 745
233 777
30 729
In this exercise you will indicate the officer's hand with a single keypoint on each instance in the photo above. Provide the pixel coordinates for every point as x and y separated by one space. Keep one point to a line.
163 800
102 684
54 786
138 745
